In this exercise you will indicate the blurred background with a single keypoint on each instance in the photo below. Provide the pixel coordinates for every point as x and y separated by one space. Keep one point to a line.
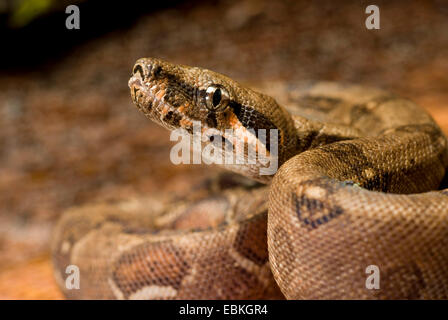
70 135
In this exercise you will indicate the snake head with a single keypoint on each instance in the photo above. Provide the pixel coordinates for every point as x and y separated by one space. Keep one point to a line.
174 95
178 96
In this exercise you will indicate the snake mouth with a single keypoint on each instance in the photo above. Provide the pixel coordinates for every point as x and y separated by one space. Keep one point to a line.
149 98
157 96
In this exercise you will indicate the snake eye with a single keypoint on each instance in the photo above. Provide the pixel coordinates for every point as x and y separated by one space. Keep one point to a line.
216 98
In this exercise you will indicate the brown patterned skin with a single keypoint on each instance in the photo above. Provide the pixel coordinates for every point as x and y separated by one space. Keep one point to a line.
211 245
357 166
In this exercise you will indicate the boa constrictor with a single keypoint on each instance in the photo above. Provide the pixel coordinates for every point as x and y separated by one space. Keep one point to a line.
357 167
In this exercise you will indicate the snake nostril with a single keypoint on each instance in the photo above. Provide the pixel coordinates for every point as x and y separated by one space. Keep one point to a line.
138 68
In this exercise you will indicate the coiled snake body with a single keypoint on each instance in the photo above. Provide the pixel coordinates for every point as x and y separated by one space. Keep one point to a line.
353 189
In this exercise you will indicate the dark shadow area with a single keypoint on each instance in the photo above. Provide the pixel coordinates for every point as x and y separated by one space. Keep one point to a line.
444 183
47 39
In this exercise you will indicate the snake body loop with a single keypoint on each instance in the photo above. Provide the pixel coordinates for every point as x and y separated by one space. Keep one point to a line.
359 171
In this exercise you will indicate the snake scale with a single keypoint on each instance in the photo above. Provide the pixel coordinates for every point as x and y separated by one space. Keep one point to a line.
359 184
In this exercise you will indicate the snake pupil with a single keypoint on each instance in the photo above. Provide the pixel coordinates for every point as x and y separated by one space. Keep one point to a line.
139 69
217 97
